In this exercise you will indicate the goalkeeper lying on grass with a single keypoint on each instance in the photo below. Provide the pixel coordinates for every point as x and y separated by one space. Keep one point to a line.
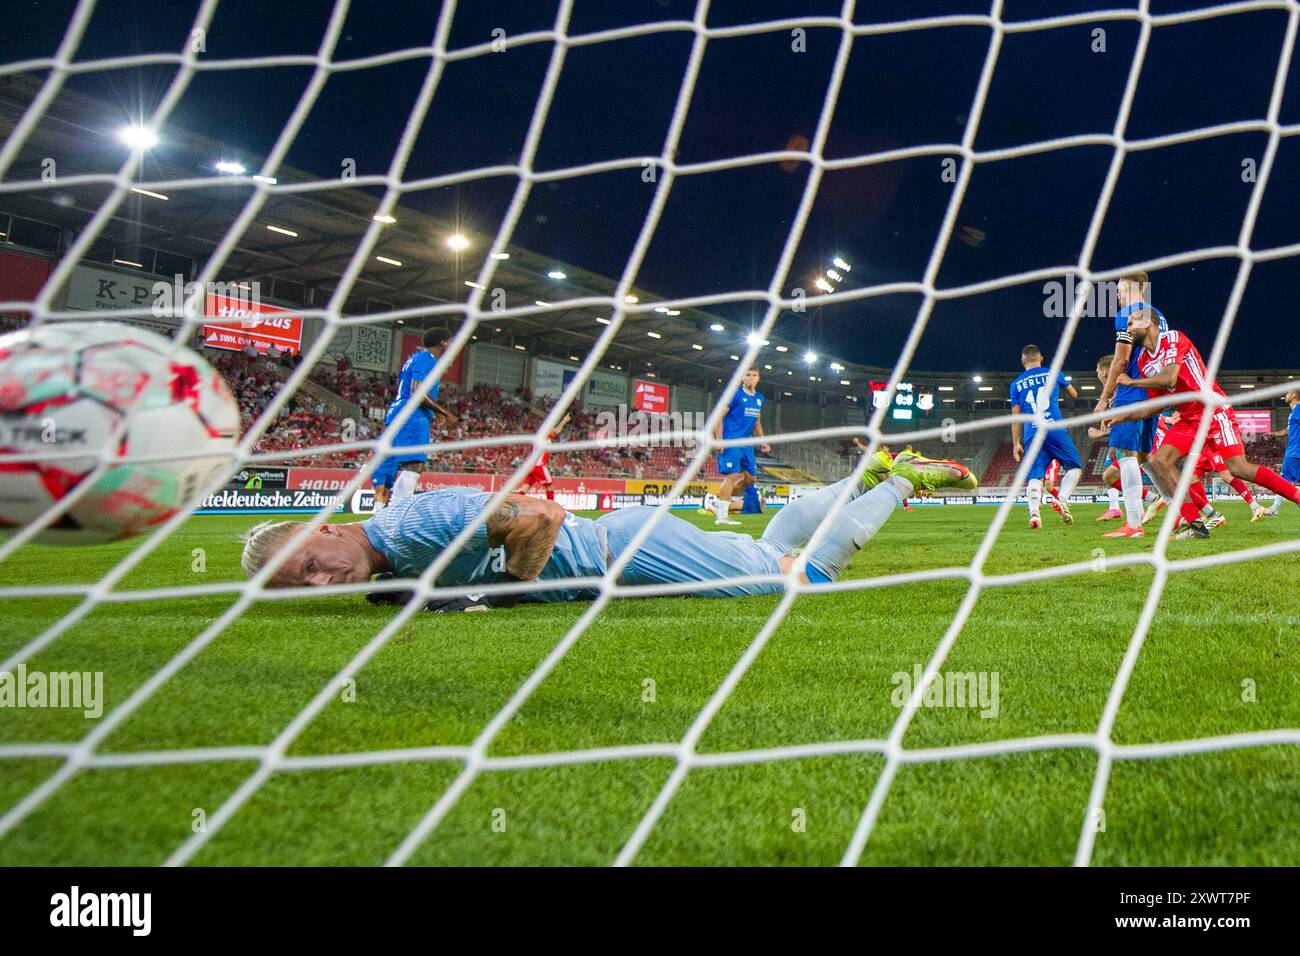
527 539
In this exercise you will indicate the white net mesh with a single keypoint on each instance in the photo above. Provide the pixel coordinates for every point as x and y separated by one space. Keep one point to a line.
474 758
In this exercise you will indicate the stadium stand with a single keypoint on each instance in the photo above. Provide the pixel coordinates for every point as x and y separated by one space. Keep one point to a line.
1002 464
483 411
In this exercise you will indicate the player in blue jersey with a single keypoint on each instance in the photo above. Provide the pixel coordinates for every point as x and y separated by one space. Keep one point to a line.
396 476
530 539
1291 460
1132 441
1037 390
737 464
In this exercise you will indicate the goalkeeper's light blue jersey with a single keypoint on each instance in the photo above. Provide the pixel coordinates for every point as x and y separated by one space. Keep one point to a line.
412 533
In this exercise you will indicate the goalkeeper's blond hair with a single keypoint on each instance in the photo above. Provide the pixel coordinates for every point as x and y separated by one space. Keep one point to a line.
262 541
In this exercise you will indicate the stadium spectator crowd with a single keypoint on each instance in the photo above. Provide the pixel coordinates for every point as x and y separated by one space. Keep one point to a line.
484 411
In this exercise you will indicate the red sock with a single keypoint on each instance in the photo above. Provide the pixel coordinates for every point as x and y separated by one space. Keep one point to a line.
550 495
1240 488
1270 479
1191 509
1116 485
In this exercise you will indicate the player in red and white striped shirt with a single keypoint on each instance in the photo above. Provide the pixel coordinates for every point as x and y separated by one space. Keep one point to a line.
1209 463
1171 365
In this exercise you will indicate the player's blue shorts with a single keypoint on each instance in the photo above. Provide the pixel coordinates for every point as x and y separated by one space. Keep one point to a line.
1056 444
414 432
678 551
1134 436
732 461
1291 468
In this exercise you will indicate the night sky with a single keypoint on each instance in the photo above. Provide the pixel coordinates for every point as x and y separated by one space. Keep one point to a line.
724 230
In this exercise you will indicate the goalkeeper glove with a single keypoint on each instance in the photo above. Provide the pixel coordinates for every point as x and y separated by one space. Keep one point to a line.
473 602
388 597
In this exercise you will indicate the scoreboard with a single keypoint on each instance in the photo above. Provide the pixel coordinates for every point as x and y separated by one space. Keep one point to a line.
911 401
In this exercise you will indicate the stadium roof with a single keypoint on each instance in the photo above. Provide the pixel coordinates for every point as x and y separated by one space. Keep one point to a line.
180 232
329 221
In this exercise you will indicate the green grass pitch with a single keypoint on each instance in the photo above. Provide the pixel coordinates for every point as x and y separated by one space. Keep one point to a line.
1222 657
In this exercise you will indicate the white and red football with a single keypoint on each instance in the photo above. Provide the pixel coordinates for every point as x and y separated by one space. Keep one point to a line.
73 394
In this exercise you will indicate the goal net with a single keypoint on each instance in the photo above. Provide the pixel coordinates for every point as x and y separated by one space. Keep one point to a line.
623 312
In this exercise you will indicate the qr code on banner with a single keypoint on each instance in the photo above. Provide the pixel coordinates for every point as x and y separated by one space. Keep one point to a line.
371 347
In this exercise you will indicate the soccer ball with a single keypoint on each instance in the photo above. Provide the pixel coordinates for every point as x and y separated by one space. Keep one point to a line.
96 388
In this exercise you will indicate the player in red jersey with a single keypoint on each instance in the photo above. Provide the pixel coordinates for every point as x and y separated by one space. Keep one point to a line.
1211 463
1171 365
540 476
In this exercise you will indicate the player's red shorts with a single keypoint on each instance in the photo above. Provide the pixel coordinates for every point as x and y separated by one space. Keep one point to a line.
1223 438
539 476
1210 462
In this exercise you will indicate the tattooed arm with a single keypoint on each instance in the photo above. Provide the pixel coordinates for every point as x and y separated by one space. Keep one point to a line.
527 527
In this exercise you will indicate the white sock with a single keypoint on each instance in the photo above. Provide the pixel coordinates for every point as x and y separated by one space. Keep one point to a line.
720 506
1113 495
1277 504
1035 489
1067 484
1130 480
403 486
1207 510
